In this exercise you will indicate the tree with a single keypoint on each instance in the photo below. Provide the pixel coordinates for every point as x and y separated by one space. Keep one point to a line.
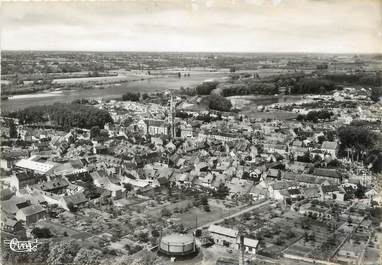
279 241
87 257
217 102
205 88
104 133
95 132
41 232
71 207
374 158
128 186
12 129
313 86
165 212
376 94
198 233
130 96
143 236
222 191
155 233
360 192
204 200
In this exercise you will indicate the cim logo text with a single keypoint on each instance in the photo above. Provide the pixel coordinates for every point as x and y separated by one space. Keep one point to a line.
22 246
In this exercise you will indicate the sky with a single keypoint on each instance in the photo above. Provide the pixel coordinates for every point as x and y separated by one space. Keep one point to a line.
322 26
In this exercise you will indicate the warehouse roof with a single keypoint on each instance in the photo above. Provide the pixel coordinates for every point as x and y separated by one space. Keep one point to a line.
223 231
35 166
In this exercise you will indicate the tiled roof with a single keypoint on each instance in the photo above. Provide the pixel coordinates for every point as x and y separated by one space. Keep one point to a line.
156 123
76 199
32 209
326 172
329 145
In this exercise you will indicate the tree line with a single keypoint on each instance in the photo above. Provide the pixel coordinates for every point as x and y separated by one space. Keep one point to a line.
64 115
131 96
356 79
315 116
251 88
312 86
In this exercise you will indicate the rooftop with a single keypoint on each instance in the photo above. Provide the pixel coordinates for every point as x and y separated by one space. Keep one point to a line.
35 166
217 229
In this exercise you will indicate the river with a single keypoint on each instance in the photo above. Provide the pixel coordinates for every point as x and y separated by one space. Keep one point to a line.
143 86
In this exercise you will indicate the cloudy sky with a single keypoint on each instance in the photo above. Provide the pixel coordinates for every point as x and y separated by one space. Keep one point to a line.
195 25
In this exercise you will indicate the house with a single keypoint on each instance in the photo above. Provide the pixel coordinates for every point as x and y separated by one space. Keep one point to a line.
273 173
183 180
275 189
294 194
258 193
157 141
12 205
30 214
330 147
35 197
328 173
186 131
10 225
306 180
139 185
275 148
102 180
250 245
75 200
298 167
155 127
22 179
6 163
57 185
332 192
224 236
311 192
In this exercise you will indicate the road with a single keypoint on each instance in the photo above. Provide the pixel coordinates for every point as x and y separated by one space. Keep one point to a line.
236 214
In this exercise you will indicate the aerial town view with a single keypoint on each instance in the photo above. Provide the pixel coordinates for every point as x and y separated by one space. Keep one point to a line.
190 156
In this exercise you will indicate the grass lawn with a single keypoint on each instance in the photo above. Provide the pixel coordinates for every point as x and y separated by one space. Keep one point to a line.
189 218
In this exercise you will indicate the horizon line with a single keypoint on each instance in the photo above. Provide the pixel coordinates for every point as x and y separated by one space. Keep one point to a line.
168 51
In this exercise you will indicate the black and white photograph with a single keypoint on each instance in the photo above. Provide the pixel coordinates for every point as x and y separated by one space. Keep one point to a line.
191 132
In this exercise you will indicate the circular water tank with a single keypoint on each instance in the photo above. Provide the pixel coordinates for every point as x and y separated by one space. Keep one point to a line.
177 244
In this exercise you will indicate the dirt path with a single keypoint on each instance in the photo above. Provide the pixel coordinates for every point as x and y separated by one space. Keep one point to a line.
236 214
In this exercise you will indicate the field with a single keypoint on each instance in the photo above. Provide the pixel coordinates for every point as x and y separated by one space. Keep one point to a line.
249 106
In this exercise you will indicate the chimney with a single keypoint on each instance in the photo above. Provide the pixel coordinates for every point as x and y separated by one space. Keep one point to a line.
241 250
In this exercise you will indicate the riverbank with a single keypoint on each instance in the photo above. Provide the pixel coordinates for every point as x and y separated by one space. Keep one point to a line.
110 91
